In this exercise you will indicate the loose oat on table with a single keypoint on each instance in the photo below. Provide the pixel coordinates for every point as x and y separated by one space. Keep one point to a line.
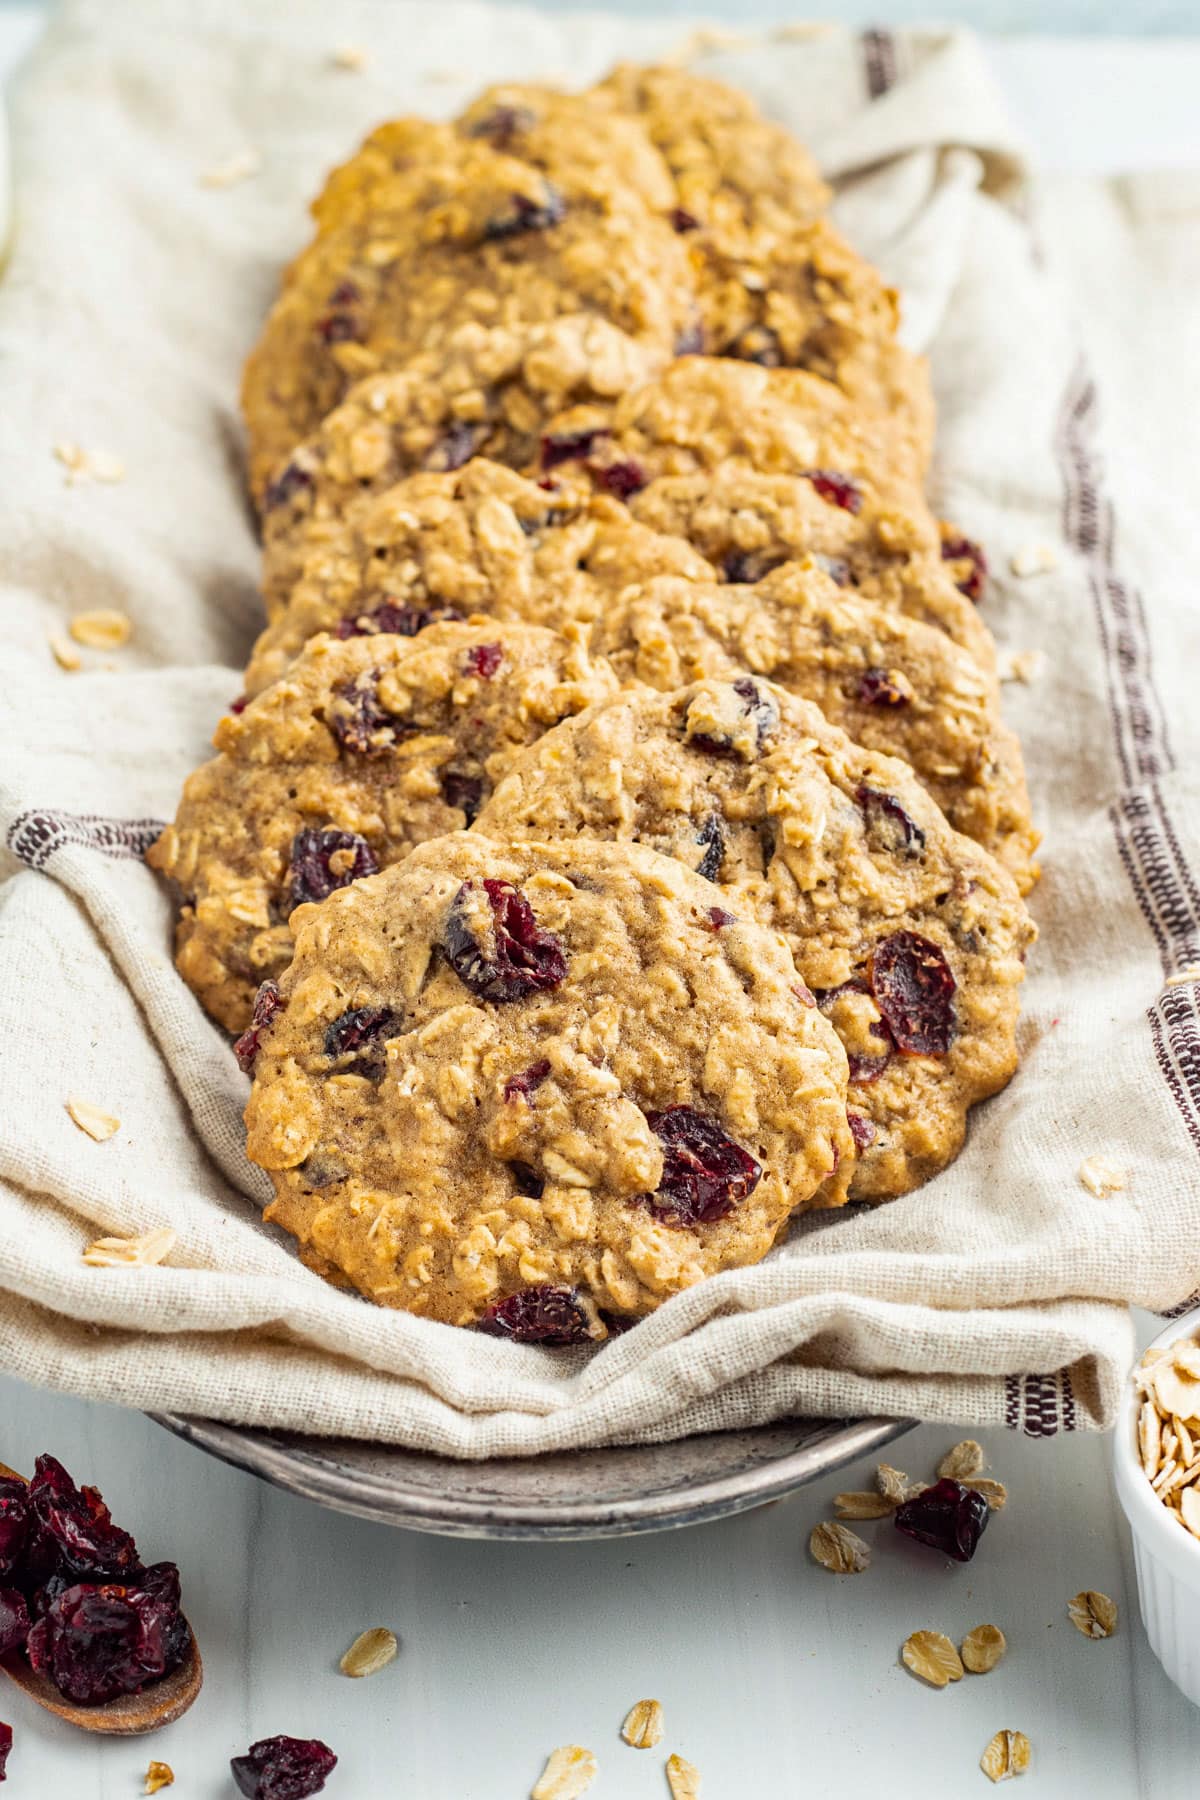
520 1085
982 1648
1022 665
143 1252
964 1460
994 1492
931 1656
369 746
569 1772
371 1651
840 1551
64 654
895 684
351 57
93 1120
1092 1614
643 1727
103 629
240 165
1102 1177
893 1484
909 936
88 465
1033 559
158 1776
1006 1756
863 1506
683 1779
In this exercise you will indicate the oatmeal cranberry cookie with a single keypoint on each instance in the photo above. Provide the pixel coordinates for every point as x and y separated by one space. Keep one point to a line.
912 936
894 684
367 748
486 392
732 168
462 233
756 466
523 1086
575 138
479 539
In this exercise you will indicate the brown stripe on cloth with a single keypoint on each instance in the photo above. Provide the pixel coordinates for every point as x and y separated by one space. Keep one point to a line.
879 59
1148 844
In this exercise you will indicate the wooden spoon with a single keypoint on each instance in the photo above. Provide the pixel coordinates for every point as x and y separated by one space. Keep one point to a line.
129 1715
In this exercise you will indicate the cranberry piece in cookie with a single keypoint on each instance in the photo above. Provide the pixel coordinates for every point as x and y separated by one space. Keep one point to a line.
838 489
463 791
497 949
483 660
528 1081
540 1315
398 617
743 718
884 687
360 1035
526 214
705 1173
914 991
267 1002
970 562
888 825
324 860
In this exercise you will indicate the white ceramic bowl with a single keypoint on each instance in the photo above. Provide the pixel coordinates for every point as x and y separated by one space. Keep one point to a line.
1166 1555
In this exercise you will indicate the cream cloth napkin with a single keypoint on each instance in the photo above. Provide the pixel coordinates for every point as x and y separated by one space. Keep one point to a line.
995 1294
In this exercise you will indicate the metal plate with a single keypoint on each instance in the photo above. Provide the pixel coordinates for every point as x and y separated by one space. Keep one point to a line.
569 1494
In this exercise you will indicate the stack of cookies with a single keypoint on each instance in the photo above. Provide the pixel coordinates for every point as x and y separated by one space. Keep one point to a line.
618 848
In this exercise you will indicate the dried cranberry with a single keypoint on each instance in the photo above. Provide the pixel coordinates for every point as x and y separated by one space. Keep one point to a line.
6 1742
965 550
14 1620
620 479
527 1082
483 660
502 123
914 991
756 706
95 1642
861 1130
836 488
947 1516
312 874
400 618
77 1525
528 1181
14 1522
360 723
456 446
718 918
691 340
539 1315
341 324
360 1033
757 344
712 836
704 1173
527 215
291 481
887 822
283 1768
267 1003
568 446
463 791
878 687
683 220
523 958
240 704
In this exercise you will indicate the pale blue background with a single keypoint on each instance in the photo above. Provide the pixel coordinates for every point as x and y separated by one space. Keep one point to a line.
1110 18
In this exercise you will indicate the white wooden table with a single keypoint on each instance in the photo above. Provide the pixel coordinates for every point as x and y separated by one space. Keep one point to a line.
780 1682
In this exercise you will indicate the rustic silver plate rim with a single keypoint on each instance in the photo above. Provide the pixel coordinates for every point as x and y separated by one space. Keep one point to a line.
309 1467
